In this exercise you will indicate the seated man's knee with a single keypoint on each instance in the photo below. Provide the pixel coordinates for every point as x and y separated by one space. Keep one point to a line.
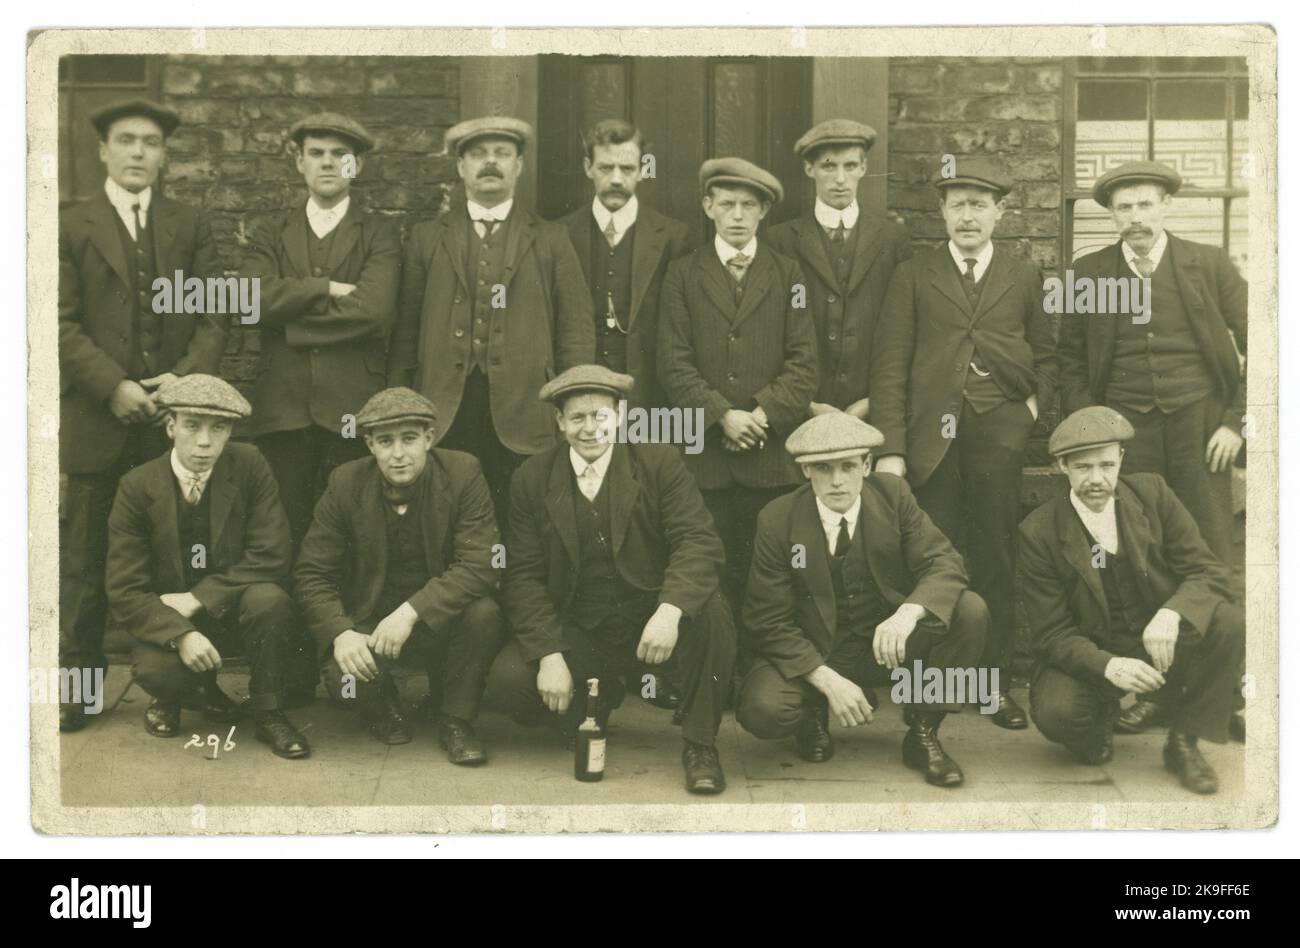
482 617
269 601
1062 709
159 671
971 613
766 712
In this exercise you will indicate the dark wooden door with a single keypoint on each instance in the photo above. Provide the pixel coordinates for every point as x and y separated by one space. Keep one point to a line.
689 109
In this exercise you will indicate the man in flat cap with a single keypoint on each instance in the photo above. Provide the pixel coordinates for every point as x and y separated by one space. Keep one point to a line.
963 361
1123 595
115 351
614 561
492 304
850 581
735 344
848 255
198 563
398 567
329 275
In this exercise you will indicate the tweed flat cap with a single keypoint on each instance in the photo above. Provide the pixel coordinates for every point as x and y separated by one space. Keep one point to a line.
1135 172
332 123
201 394
738 171
832 436
462 133
105 116
586 378
975 173
393 405
835 132
1089 428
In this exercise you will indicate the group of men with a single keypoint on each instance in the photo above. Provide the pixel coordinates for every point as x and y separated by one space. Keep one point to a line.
435 480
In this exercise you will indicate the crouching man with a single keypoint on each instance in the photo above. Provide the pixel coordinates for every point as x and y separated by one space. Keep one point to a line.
198 559
614 560
850 580
396 567
1123 595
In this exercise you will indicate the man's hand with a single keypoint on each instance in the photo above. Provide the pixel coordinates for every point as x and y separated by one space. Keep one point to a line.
340 289
892 464
859 409
555 682
1159 638
848 705
131 404
742 428
890 642
184 603
1223 448
1032 404
1133 674
158 381
197 652
659 637
391 633
732 446
821 408
352 652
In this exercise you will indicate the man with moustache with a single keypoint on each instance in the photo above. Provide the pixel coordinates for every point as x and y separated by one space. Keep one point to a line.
848 255
328 275
614 562
115 351
492 304
1123 595
850 580
964 357
397 568
198 558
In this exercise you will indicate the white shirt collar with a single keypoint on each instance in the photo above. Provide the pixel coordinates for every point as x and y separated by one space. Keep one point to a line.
184 475
726 251
623 218
830 217
831 520
477 212
981 259
1157 251
601 464
1102 525
325 219
122 199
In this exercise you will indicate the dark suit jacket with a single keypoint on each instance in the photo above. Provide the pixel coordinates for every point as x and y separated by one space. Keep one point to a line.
663 536
249 542
1215 297
545 327
341 568
790 611
321 357
96 324
657 240
1065 602
881 245
926 339
717 356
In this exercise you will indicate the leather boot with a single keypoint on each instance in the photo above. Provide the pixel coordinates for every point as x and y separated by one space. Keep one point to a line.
813 741
703 769
1009 714
1141 715
922 751
162 718
1183 757
462 744
273 728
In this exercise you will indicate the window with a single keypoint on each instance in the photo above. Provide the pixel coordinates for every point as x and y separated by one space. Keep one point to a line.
1190 113
86 83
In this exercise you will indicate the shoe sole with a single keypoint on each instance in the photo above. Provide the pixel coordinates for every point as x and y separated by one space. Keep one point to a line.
706 790
305 754
916 765
1173 769
475 761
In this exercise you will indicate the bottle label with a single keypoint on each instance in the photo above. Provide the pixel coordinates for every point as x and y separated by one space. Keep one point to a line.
596 756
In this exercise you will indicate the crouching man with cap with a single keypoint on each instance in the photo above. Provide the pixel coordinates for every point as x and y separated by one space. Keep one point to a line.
397 566
198 557
614 560
1123 595
849 581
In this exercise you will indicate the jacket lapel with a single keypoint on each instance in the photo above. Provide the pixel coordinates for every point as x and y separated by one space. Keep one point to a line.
944 278
435 501
579 224
813 250
997 283
223 487
346 235
559 502
164 515
520 233
757 283
1101 332
102 217
623 488
1076 547
807 531
1134 532
1189 277
647 247
868 248
295 240
455 238
372 527
718 286
164 214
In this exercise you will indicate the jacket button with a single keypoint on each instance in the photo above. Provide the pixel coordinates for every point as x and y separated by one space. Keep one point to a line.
731 376
830 299
831 337
456 300
733 337
957 367
459 333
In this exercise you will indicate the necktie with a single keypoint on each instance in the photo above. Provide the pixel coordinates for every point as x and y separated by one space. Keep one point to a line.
137 221
611 235
588 483
968 280
398 495
194 494
840 234
842 541
738 265
485 226
1144 265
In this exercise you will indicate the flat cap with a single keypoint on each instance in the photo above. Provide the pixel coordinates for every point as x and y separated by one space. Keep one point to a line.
832 436
1135 172
738 171
201 394
332 123
1089 428
835 132
974 173
462 133
586 378
105 116
393 405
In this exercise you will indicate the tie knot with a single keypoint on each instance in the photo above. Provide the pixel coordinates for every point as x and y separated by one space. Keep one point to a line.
1143 264
970 264
739 260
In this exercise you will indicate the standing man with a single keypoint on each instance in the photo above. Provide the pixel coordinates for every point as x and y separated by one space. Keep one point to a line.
329 275
492 305
624 249
198 557
734 344
614 562
963 360
397 567
848 256
851 580
1123 595
115 351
